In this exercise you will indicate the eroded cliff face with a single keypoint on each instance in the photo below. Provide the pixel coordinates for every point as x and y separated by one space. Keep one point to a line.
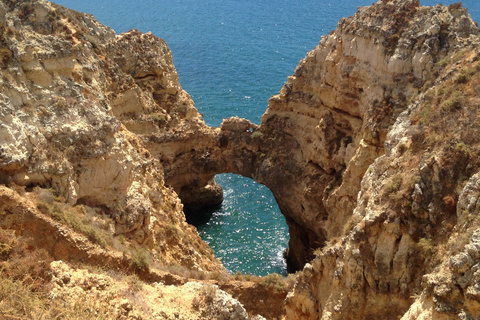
370 149
73 95
89 121
410 249
336 109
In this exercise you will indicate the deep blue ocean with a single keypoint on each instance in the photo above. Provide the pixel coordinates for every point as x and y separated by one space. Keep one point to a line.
231 57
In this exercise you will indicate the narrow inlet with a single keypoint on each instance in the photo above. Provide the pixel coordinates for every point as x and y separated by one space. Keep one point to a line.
247 232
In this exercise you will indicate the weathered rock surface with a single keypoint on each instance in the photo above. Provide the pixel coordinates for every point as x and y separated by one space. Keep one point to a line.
340 103
371 150
73 94
409 249
79 105
131 299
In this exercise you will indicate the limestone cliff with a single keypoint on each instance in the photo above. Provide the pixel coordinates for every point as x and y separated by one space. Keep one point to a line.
73 94
407 246
370 149
338 106
79 105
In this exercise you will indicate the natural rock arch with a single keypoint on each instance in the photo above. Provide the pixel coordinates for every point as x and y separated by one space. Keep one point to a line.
328 124
243 148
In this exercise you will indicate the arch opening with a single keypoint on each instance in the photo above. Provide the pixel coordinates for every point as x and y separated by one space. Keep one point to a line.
247 231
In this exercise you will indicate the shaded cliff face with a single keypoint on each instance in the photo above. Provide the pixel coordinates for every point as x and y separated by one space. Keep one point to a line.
73 94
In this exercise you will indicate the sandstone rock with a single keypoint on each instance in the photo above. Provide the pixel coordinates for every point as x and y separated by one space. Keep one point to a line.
64 100
370 150
402 232
129 298
237 124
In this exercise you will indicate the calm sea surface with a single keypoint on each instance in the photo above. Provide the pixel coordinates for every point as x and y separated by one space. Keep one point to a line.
231 56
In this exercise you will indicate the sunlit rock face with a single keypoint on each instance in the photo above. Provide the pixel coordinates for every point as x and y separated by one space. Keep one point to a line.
330 121
401 226
350 149
75 101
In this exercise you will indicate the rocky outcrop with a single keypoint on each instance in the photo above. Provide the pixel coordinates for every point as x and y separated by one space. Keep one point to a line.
410 247
330 120
337 108
131 299
73 95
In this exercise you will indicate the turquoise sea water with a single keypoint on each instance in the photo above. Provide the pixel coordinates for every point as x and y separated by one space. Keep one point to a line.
231 56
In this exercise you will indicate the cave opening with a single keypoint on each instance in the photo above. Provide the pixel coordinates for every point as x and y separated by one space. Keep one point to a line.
247 231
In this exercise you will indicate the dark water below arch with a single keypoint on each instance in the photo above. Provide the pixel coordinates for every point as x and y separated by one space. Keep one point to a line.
247 231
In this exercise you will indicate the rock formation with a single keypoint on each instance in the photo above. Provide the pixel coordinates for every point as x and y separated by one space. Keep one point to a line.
338 106
370 150
329 122
78 105
410 249
73 94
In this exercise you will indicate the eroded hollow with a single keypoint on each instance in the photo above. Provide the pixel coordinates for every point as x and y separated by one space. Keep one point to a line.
247 231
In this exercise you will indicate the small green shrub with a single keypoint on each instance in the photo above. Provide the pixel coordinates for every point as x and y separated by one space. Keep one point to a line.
140 260
257 134
413 181
209 292
462 78
135 283
274 282
393 183
425 247
463 149
444 62
423 115
455 101
351 223
158 118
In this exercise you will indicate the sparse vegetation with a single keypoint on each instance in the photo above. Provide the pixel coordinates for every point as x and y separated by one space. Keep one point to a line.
257 134
425 247
135 283
455 101
209 292
351 223
19 261
159 119
93 41
393 183
423 115
463 150
74 218
274 282
140 260
444 62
